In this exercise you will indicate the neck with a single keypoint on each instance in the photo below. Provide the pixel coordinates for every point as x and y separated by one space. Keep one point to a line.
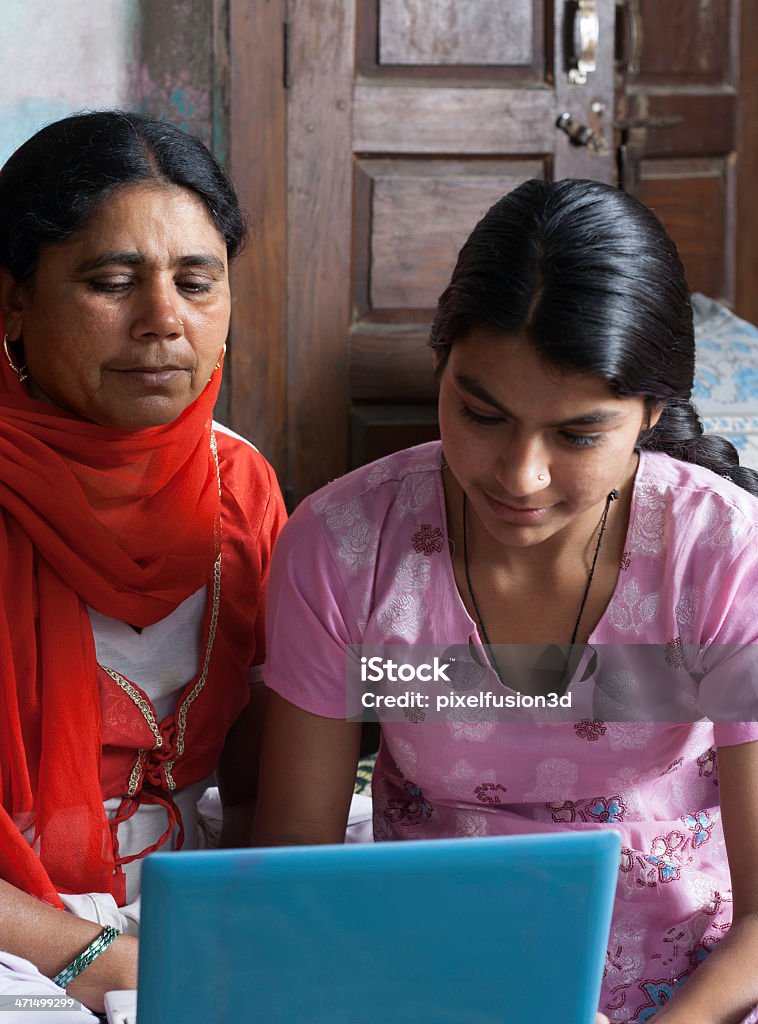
561 553
551 592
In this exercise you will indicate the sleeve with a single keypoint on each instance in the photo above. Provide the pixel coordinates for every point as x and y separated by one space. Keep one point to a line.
274 518
729 684
252 516
310 620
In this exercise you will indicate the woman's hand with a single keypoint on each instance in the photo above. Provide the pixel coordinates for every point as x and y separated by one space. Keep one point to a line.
51 939
601 1018
114 969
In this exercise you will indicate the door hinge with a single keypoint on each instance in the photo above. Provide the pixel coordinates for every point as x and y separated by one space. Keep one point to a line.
286 68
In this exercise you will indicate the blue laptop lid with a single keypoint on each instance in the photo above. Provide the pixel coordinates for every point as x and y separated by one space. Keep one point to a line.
510 929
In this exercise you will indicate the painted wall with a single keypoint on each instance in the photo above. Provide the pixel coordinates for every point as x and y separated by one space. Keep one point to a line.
57 57
178 73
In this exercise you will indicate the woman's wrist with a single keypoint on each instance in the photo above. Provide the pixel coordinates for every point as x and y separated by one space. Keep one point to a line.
115 969
88 955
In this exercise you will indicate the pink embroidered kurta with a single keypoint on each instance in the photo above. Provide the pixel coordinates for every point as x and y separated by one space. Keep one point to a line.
366 560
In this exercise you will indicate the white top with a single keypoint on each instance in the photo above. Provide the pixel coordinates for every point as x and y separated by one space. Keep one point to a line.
161 660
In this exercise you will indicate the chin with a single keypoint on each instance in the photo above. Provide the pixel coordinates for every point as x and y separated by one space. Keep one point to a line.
142 416
523 537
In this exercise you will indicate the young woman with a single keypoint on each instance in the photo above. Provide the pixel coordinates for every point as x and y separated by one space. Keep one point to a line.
572 499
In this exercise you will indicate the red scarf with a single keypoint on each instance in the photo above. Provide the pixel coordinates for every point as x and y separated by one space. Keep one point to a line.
127 522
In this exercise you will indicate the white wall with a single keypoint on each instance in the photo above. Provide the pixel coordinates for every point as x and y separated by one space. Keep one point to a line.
58 56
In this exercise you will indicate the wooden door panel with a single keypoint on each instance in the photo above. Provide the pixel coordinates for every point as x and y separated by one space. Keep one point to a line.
411 217
376 430
319 192
685 41
692 197
391 360
702 124
681 132
441 200
437 39
422 119
436 32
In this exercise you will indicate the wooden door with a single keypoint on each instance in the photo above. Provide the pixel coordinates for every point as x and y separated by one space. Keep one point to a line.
369 135
686 114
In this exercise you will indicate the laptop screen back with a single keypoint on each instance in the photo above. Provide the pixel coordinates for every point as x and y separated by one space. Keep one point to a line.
510 929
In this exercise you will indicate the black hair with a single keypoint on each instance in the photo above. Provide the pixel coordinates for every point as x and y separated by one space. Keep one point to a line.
591 277
53 184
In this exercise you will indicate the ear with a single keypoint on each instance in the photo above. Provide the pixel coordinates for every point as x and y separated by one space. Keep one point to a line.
654 414
11 304
440 357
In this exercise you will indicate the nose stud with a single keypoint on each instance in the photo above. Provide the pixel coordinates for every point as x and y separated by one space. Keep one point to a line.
541 477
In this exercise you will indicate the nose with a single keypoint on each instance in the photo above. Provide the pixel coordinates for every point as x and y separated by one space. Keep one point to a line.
523 467
156 314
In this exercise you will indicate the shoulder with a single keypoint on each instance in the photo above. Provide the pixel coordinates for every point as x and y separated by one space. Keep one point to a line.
249 485
238 455
699 505
234 446
691 564
380 484
352 552
344 522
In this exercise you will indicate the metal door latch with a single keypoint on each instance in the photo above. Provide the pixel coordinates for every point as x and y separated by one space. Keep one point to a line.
581 134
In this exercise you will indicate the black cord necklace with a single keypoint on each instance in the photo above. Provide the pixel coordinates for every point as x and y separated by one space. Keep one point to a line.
613 495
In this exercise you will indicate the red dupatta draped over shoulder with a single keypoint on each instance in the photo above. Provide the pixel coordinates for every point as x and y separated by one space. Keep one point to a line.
126 522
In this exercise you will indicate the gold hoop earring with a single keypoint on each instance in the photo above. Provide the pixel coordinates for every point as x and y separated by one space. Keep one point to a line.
22 372
220 358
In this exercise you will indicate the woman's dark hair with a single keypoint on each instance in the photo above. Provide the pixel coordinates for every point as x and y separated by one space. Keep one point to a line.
590 276
54 183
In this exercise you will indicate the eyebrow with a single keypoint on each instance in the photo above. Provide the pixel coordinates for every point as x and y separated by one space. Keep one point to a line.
132 258
594 418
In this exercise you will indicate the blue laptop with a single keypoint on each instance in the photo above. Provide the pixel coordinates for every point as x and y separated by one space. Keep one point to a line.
465 931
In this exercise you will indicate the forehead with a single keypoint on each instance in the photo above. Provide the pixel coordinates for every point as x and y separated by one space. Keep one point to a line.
508 370
506 354
151 219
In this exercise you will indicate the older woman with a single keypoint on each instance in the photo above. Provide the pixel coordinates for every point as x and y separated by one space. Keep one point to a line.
134 539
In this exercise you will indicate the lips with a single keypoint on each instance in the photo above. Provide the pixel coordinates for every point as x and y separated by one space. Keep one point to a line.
166 376
517 515
149 369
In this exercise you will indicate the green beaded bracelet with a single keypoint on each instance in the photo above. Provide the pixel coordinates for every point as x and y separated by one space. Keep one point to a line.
92 952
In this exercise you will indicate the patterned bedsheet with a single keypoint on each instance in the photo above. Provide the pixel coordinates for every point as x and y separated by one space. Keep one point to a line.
726 377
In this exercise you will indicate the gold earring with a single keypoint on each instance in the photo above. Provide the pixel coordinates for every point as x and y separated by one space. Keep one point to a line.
220 358
22 372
